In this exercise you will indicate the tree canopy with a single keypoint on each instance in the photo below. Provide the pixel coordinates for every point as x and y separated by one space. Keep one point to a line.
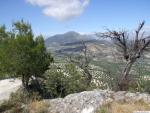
23 54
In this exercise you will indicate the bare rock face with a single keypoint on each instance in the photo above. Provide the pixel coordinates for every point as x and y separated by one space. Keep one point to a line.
8 86
90 101
84 102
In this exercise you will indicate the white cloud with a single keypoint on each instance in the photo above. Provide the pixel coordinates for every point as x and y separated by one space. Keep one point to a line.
61 9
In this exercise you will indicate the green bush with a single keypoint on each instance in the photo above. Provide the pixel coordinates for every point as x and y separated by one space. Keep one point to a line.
144 86
143 73
61 82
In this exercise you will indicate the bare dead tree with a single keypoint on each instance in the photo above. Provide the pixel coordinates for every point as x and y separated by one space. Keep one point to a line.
83 62
131 49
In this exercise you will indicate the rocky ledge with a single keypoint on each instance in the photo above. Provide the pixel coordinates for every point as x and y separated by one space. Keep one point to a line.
90 101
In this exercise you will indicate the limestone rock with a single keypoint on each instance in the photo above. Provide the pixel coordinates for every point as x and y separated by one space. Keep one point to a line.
90 101
119 96
84 102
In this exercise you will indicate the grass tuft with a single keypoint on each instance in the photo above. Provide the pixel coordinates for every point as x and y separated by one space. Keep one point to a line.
115 107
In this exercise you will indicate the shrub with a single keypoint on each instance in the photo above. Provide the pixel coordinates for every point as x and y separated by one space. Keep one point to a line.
143 74
61 82
144 86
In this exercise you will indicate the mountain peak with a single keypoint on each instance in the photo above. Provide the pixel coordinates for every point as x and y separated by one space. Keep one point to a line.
72 33
68 37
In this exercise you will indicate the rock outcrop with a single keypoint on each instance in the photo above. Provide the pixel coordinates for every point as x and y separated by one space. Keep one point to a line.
90 101
8 86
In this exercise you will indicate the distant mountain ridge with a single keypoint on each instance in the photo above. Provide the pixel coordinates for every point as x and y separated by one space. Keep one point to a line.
68 37
72 42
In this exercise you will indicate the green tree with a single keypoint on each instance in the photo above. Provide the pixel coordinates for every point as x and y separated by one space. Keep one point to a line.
28 55
5 43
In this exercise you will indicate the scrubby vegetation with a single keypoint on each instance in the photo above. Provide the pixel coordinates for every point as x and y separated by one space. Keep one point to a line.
61 82
25 56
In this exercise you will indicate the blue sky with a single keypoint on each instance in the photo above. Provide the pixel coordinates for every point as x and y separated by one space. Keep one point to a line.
91 16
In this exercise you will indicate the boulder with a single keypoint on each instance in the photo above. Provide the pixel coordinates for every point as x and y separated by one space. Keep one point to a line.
90 101
8 86
84 102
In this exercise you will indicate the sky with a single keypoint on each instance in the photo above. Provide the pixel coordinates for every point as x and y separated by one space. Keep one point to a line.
49 17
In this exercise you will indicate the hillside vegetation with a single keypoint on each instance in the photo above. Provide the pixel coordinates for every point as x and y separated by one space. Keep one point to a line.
72 63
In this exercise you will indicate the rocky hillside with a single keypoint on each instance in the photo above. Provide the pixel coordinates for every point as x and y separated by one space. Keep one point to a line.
72 43
68 37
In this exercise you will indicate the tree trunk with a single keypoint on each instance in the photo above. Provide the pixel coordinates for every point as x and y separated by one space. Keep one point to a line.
124 81
25 81
88 77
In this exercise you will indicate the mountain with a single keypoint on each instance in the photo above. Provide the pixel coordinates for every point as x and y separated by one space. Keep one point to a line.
72 43
68 37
